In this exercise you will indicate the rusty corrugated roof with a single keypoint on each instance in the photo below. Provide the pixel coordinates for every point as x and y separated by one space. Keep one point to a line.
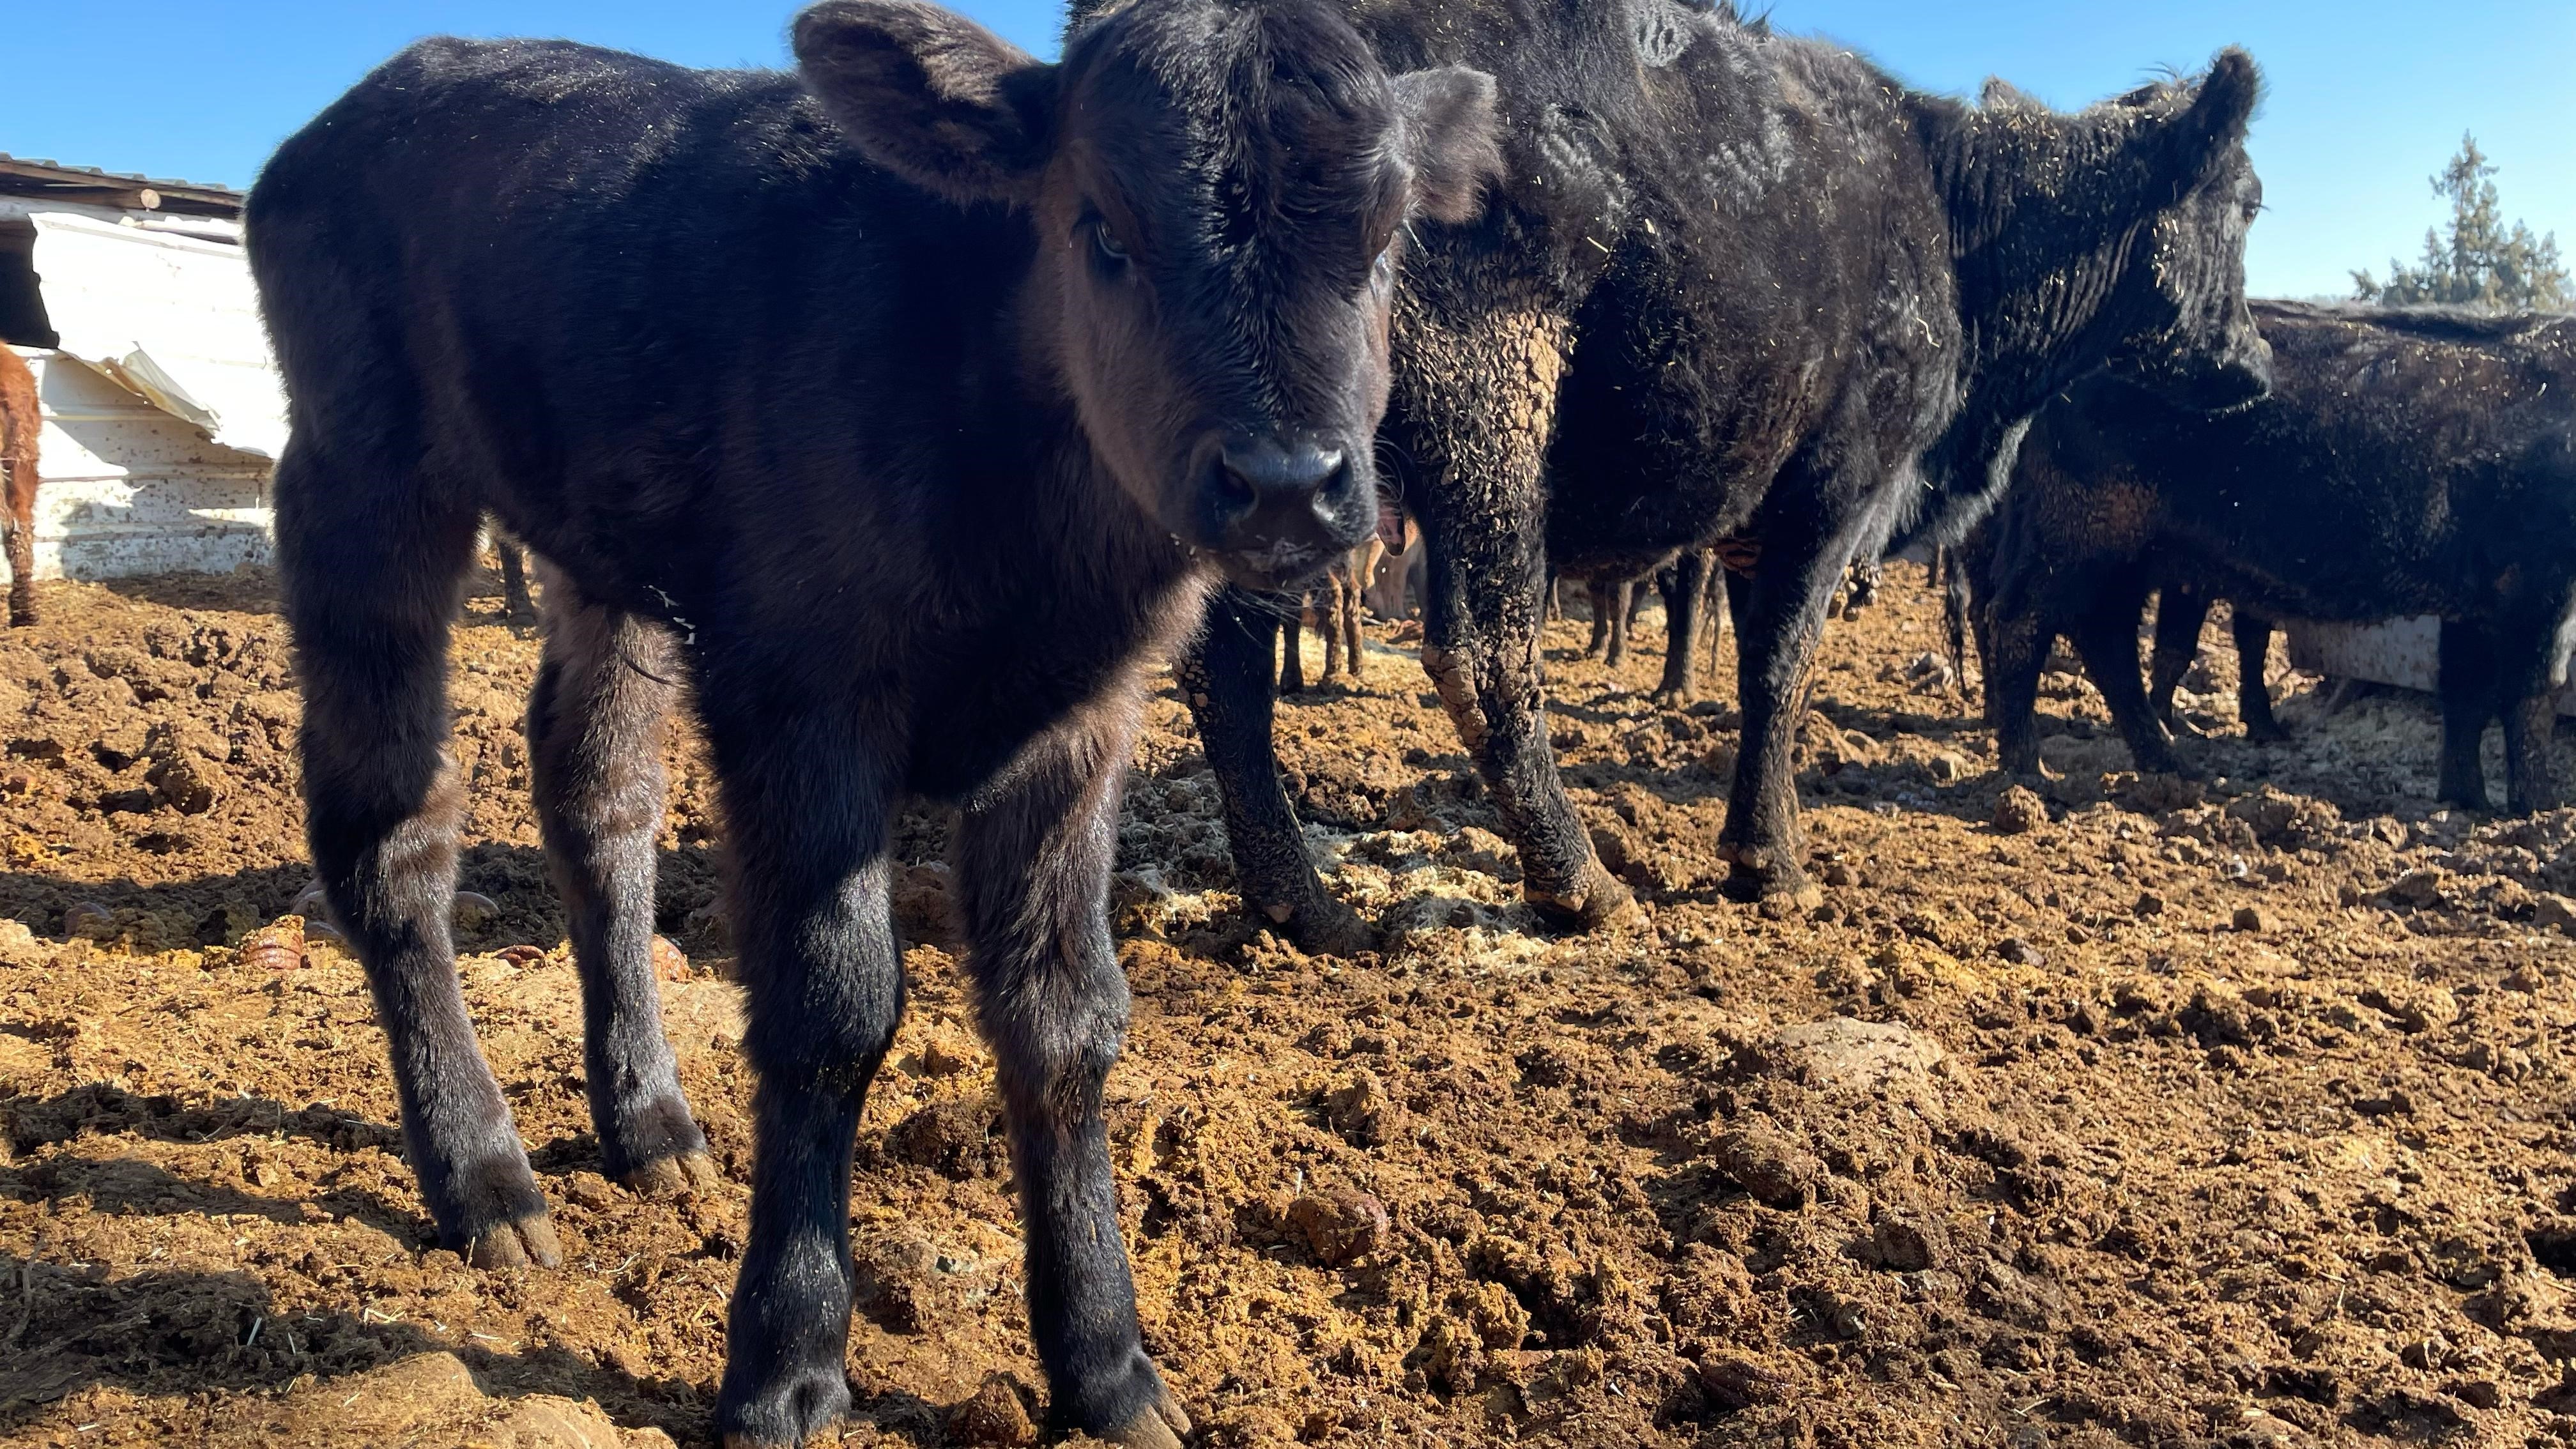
32 176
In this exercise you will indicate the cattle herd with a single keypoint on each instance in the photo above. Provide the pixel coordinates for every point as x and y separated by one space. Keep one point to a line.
907 411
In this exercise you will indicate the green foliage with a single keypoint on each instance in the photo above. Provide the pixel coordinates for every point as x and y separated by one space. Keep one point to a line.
2482 263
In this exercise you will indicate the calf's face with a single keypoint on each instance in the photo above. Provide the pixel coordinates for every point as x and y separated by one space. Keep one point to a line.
2202 348
1220 191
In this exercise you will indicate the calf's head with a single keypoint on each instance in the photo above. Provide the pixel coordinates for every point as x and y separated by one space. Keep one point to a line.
2198 343
1219 190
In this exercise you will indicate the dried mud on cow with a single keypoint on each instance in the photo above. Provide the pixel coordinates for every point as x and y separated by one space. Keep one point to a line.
2116 1111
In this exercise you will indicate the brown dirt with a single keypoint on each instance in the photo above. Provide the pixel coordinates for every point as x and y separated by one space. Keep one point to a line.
2156 1113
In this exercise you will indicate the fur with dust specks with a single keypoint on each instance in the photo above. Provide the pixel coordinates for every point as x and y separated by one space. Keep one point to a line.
1741 285
2406 463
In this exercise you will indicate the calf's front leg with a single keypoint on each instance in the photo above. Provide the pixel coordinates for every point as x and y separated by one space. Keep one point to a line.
1225 677
1805 547
1475 407
806 795
1032 857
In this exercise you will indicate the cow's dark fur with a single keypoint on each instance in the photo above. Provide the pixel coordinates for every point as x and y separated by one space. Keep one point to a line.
1742 284
2407 463
902 409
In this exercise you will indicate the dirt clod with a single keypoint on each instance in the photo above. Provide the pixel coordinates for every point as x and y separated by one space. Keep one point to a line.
997 1413
2019 811
1339 1225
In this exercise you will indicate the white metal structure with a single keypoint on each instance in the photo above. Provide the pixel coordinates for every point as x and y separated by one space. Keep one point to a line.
162 410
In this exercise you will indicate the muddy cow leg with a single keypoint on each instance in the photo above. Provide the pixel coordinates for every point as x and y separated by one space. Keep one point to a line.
1803 556
2531 777
2014 646
1352 588
1685 589
1623 594
521 607
595 752
2105 635
1032 862
806 790
1488 383
2523 645
1292 658
2180 613
370 593
1328 617
2468 691
2253 634
1596 596
19 520
1226 678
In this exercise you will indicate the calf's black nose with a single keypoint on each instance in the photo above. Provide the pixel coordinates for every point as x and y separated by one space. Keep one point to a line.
1272 491
1264 467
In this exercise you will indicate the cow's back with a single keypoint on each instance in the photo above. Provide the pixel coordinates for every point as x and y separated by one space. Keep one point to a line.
2400 465
605 296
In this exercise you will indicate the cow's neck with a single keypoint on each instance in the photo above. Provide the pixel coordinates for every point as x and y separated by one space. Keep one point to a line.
2047 216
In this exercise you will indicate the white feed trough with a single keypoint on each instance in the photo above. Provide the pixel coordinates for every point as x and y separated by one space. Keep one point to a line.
2406 653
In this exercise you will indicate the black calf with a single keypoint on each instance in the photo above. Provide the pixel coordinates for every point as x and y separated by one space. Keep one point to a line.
903 410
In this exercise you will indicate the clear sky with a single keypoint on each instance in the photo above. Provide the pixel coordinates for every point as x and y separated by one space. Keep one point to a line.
2367 97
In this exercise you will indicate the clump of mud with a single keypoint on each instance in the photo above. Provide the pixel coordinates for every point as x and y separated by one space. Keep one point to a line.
2099 1110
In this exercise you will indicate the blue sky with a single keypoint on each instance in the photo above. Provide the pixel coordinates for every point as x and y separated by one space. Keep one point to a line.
2367 98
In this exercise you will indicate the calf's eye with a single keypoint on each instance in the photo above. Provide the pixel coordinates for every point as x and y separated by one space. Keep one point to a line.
1106 242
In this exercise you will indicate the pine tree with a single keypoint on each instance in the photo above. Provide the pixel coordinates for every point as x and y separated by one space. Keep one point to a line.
2482 263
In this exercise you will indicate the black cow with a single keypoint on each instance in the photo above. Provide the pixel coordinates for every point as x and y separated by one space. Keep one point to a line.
903 409
2408 462
1742 286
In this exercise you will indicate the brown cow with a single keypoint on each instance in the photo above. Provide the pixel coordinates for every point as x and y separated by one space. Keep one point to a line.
20 421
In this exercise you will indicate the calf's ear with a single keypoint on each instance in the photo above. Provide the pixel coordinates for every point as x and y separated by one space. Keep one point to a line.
1451 139
931 96
2208 133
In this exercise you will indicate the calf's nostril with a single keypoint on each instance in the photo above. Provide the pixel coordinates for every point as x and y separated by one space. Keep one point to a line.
1272 468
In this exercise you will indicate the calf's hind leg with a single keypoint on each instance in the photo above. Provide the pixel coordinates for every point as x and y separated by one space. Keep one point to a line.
370 591
595 750
1032 860
2106 638
2467 685
2253 635
2180 613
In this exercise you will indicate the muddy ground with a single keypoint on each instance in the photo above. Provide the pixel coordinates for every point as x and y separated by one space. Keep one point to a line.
2142 1111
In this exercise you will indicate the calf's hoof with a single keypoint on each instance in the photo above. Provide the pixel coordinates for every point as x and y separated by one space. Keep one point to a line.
523 1243
804 1406
1770 880
685 1175
2266 732
1598 902
1682 698
1125 1401
1322 927
1159 1425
